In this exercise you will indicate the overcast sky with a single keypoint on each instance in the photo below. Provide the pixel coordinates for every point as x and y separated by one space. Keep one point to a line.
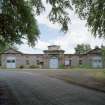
50 34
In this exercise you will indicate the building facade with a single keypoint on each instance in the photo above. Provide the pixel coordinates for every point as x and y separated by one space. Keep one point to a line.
52 58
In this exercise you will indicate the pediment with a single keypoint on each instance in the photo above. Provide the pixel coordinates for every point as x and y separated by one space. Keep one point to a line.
12 51
95 51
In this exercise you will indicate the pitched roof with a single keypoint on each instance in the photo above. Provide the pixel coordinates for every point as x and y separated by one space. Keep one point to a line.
97 50
9 51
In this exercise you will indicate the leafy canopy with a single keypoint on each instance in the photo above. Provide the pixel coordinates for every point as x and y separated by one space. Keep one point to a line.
82 48
94 12
17 22
17 17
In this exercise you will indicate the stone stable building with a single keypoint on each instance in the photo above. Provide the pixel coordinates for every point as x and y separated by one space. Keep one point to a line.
52 58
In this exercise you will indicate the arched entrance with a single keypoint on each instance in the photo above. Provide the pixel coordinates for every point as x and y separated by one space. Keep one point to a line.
11 62
53 63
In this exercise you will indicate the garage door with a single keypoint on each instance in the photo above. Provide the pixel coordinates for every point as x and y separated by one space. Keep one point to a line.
11 62
97 62
53 63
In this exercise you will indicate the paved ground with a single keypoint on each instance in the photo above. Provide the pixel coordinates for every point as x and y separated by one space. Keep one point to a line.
38 89
5 95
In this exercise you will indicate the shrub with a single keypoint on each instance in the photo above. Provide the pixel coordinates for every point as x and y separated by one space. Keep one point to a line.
34 66
84 66
21 66
61 66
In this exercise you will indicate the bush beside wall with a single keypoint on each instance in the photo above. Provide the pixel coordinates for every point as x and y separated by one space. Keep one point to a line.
33 66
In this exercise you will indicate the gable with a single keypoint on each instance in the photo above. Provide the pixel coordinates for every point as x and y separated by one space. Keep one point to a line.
12 51
95 51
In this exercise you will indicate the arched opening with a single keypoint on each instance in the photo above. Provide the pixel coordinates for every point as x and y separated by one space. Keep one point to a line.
53 63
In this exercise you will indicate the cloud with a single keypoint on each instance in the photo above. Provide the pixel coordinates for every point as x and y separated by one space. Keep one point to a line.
43 18
38 49
42 45
77 34
68 41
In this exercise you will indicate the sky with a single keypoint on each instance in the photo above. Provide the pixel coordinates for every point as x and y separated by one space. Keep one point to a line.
50 34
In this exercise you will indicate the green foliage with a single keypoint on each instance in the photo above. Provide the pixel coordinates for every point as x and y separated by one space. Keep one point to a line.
85 66
61 66
17 22
17 19
58 12
94 12
5 46
34 66
82 48
21 66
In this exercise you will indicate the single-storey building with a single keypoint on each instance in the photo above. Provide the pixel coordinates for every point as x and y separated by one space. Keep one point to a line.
52 58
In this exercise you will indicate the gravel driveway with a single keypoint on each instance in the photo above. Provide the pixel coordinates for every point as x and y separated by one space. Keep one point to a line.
38 89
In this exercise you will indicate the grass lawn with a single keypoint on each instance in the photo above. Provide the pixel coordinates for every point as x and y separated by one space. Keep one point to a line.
90 78
98 74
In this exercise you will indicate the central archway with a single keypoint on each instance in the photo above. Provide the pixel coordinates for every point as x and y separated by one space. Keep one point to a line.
53 63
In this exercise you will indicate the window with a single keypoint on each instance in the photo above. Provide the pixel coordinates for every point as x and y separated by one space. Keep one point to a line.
99 61
13 61
80 62
38 62
66 62
41 63
8 61
27 62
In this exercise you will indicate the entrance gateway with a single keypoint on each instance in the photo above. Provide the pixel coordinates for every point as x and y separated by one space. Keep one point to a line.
53 63
55 57
11 62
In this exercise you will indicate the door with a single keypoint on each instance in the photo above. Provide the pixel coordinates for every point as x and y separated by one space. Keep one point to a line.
11 62
97 62
53 63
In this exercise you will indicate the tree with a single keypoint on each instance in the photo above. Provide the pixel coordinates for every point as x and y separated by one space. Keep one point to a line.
82 48
17 19
6 46
3 47
17 22
94 12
